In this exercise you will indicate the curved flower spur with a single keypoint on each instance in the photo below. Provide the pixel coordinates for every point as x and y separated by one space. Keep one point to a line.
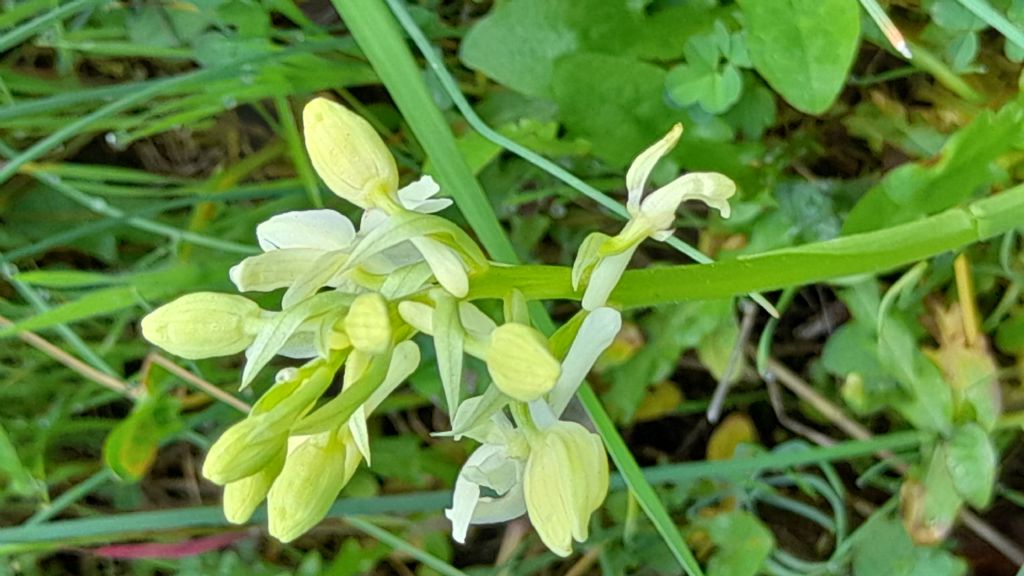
352 302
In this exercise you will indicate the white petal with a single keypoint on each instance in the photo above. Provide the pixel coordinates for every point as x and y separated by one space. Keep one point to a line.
302 344
467 493
433 205
605 277
596 333
640 170
464 500
418 315
323 272
446 264
508 506
272 270
318 229
468 507
709 187
371 219
418 191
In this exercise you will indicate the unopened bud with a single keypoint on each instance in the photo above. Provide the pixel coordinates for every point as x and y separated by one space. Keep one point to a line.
565 481
242 497
520 363
347 153
315 470
246 448
203 325
368 324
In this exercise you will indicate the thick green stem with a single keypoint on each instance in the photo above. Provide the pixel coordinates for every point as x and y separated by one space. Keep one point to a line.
868 253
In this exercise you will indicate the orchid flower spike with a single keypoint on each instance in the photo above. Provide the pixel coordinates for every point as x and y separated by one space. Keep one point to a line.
292 244
602 259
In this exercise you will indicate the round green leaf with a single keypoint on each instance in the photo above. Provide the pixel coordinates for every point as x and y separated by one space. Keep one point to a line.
803 48
971 460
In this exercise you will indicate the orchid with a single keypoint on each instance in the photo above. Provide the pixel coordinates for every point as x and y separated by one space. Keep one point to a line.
502 464
602 260
352 302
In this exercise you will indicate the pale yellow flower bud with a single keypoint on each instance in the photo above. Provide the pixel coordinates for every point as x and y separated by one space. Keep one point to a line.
565 481
315 470
348 154
246 448
203 325
242 497
520 363
368 324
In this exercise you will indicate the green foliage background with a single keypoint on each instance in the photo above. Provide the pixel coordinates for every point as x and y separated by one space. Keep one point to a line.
141 143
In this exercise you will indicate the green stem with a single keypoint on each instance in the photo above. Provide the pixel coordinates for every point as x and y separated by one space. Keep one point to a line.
867 253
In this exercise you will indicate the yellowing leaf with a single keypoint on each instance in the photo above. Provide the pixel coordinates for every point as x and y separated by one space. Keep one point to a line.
736 429
662 400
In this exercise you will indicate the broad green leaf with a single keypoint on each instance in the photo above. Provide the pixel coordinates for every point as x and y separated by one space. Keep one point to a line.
716 348
951 15
1010 335
803 48
519 42
754 112
132 444
18 479
742 543
737 428
963 167
883 546
929 405
971 459
837 259
614 102
715 89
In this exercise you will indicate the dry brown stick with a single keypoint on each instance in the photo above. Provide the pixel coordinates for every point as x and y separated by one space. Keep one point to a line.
852 428
198 382
585 562
515 531
44 346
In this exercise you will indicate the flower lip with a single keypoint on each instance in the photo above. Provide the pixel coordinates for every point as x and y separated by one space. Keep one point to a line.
641 168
